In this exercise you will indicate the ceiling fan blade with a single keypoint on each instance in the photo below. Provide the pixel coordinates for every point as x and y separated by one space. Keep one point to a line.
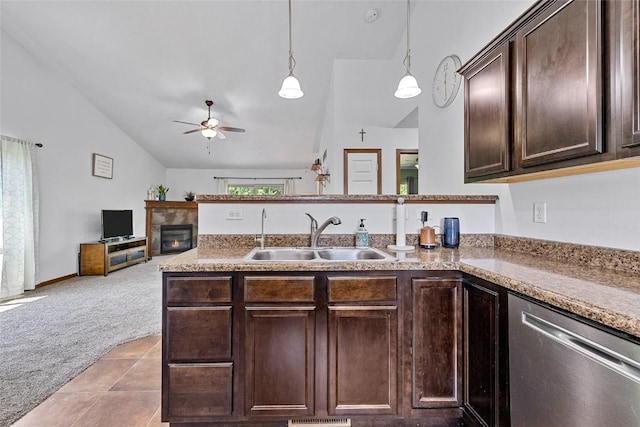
229 129
220 134
186 123
191 131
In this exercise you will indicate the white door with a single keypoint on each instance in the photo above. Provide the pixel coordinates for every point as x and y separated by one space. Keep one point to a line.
362 173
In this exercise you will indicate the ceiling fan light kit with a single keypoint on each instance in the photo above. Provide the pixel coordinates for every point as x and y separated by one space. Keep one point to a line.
210 128
290 86
208 133
408 86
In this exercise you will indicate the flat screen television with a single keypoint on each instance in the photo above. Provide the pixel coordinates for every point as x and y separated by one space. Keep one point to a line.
117 223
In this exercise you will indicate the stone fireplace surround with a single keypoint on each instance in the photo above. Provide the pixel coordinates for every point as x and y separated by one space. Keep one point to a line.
168 213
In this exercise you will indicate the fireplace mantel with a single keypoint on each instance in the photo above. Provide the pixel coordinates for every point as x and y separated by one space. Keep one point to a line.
168 213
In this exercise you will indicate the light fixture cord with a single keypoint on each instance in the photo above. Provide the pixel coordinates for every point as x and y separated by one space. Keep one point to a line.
292 61
407 58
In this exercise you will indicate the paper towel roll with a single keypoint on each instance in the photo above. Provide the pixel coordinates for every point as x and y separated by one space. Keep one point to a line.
401 235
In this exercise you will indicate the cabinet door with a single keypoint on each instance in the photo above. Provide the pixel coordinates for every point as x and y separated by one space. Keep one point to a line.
363 360
486 363
630 71
487 118
436 343
198 390
481 352
558 84
198 333
279 361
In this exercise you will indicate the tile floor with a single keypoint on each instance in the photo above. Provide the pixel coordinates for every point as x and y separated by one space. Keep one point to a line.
121 389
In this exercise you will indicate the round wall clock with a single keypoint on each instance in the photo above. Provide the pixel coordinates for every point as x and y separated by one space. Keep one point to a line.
446 81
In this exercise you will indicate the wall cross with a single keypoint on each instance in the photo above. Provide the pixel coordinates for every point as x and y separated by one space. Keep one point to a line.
362 132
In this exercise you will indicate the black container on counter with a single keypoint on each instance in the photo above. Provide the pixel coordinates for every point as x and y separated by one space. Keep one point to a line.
450 232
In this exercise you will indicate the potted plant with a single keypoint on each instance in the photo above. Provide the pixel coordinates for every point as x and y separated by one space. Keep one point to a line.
189 196
162 192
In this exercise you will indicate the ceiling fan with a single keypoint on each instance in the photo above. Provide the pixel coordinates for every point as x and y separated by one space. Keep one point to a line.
210 128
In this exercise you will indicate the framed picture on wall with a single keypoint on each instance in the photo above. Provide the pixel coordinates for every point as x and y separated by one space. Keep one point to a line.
102 166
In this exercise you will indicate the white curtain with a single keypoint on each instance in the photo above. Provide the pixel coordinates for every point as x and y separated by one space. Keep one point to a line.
223 186
289 186
19 216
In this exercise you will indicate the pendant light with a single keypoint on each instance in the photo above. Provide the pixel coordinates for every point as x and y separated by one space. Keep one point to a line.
408 86
290 86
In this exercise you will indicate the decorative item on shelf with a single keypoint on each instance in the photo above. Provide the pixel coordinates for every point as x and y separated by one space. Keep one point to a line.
162 192
408 86
151 193
189 196
290 86
322 177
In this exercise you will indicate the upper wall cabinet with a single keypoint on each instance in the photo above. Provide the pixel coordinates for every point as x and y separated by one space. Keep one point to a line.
556 93
487 115
629 70
558 90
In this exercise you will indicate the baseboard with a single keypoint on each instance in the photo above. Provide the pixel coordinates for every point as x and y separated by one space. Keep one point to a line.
56 280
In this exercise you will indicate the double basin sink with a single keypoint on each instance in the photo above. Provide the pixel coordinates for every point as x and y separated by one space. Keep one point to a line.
317 254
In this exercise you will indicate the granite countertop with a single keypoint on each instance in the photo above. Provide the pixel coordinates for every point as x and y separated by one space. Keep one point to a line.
606 296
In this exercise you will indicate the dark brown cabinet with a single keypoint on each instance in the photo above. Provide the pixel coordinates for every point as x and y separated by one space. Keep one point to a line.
198 364
377 347
628 67
363 345
558 84
487 115
485 357
556 93
279 345
436 342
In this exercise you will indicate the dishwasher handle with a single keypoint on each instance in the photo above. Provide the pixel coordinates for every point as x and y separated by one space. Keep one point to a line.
601 354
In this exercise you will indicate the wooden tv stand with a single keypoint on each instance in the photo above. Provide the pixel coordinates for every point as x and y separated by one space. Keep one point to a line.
105 257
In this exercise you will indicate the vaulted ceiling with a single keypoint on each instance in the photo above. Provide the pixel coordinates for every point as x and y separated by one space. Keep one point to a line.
144 64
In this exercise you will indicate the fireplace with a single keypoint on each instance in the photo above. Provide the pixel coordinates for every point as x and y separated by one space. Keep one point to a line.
176 238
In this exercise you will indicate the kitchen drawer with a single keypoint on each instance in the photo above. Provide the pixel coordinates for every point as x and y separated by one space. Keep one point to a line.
200 390
279 288
199 289
362 289
198 333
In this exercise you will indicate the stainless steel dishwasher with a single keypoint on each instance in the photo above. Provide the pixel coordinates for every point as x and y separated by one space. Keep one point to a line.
566 373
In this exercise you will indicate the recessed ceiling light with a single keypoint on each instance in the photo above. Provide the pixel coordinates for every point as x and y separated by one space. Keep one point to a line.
371 15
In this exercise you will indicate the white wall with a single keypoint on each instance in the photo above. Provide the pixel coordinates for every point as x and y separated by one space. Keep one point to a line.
283 218
39 105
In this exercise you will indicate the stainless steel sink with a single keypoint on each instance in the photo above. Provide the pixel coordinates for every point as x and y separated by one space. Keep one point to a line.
282 254
317 254
352 254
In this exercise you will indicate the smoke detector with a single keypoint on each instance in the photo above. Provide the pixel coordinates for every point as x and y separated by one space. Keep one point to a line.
371 15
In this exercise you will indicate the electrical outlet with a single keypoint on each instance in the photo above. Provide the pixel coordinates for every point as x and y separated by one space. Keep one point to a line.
540 212
234 214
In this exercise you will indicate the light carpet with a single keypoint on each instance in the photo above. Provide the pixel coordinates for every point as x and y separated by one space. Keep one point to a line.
51 334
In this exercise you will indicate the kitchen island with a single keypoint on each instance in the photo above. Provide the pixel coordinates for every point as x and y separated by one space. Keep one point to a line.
372 342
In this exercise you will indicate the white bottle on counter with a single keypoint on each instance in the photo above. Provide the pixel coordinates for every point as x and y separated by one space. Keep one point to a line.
362 236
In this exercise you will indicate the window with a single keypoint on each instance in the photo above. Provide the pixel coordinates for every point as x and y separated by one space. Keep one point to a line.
256 189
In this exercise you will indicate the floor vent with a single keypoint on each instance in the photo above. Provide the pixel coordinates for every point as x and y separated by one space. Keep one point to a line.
320 422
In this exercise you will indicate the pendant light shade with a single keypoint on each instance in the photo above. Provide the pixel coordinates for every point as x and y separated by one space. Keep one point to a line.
408 86
290 86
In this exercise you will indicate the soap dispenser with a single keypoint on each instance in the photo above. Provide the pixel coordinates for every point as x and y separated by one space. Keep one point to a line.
362 235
